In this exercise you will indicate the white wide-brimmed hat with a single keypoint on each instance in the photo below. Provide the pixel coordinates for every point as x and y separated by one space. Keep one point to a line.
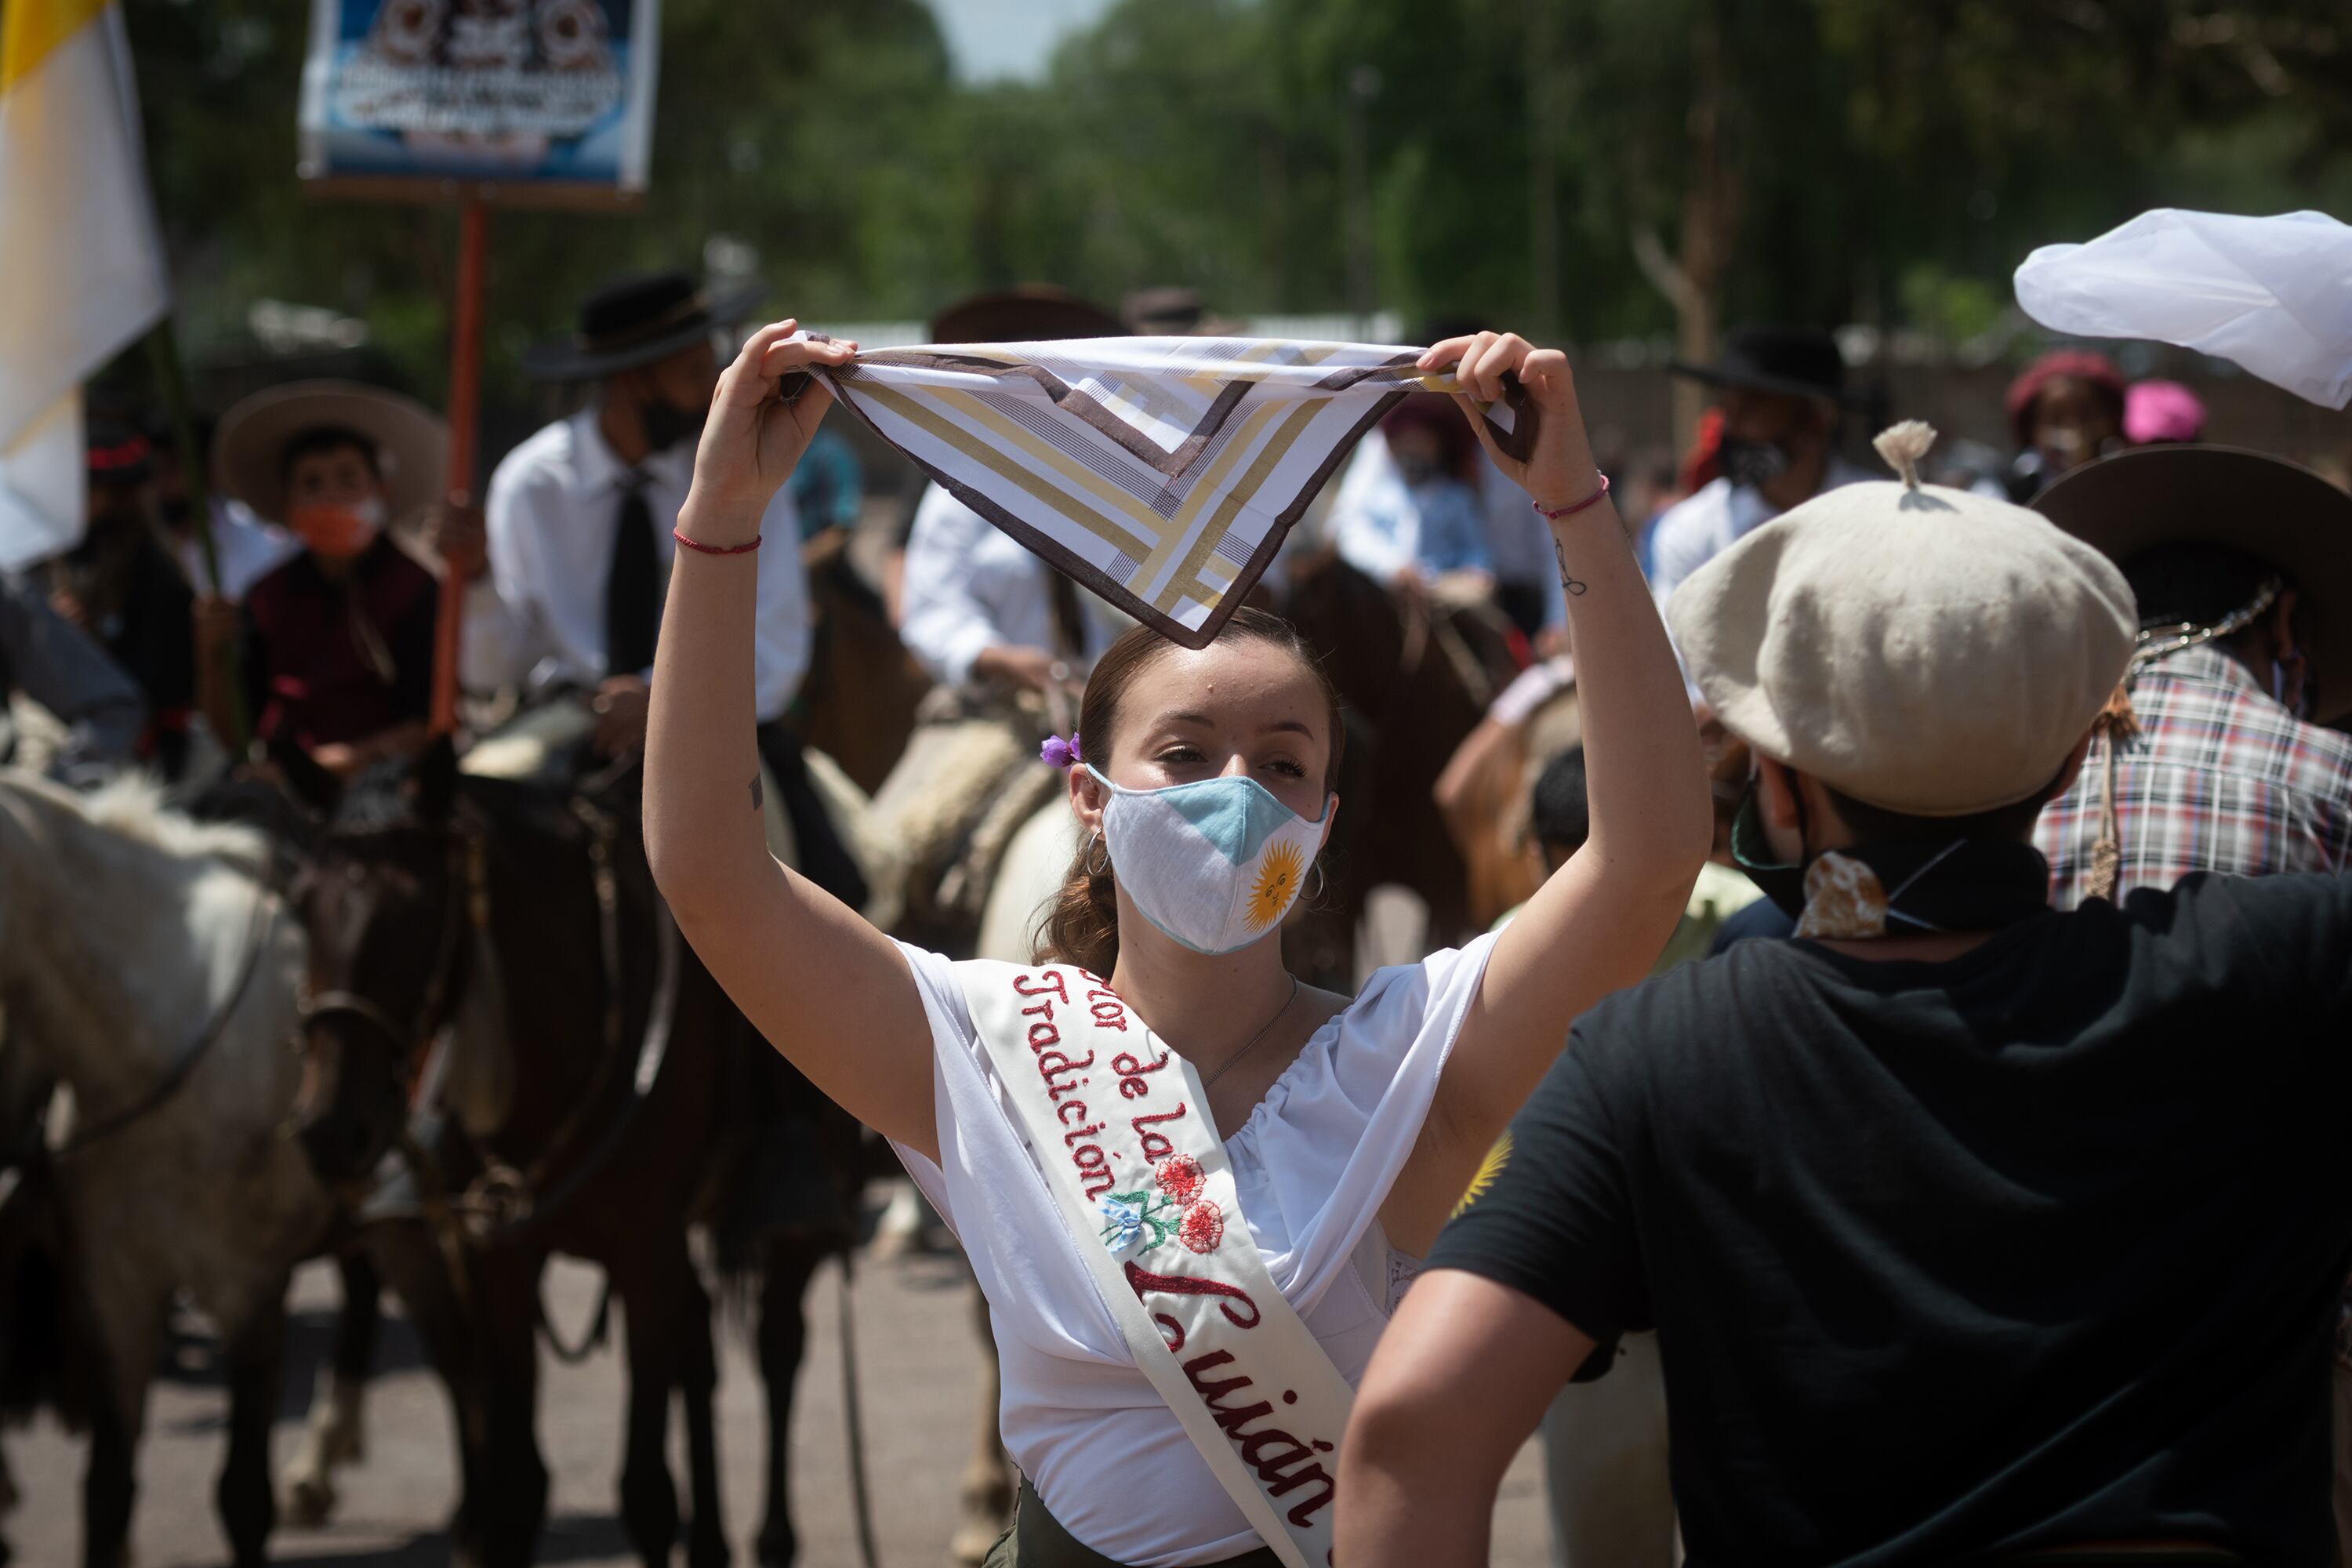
1920 649
412 443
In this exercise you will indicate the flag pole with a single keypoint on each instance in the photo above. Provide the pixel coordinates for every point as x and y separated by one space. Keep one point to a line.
172 386
464 403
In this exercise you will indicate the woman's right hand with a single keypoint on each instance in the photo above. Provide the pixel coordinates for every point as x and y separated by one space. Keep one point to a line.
1560 471
755 437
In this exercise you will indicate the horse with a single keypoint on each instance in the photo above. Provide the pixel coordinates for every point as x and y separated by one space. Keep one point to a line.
595 1080
1414 678
856 704
148 966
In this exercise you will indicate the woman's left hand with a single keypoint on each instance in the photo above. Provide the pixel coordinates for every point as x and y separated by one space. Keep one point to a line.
754 439
1560 471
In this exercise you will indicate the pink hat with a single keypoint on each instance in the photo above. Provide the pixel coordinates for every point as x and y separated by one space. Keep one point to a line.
2156 411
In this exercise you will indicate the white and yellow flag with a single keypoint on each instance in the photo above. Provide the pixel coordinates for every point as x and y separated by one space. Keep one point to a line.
81 262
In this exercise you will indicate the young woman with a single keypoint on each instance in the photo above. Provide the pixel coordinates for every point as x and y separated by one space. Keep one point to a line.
1343 1132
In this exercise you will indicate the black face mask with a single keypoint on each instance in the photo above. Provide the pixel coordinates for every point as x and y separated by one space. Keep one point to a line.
1751 852
665 424
1753 463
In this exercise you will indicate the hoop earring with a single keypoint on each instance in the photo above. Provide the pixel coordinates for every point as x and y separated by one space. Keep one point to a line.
1322 883
1087 860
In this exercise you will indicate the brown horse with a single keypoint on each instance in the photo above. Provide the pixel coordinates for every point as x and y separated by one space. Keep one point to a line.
856 704
1414 678
616 1072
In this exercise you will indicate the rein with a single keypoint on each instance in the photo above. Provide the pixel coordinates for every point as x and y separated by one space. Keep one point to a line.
184 1064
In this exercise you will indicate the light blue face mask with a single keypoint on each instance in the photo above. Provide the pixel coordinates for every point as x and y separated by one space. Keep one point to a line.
1215 864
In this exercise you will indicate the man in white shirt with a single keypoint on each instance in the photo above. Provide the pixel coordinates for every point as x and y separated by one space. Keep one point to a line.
579 544
1780 389
977 606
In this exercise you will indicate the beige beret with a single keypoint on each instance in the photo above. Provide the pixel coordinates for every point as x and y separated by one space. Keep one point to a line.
1920 649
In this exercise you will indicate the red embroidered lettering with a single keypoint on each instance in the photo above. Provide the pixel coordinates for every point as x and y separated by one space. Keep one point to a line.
1131 1070
1042 1010
1053 1063
1050 1036
1081 1132
1062 1111
1051 979
1143 1280
1156 1146
1299 1511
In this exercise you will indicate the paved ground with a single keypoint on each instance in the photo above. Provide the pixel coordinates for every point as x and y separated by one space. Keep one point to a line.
918 1364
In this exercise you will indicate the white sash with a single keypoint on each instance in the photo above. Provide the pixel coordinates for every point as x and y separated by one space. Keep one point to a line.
1120 1128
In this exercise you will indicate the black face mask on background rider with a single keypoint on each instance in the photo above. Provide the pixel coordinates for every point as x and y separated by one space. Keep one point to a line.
1751 462
666 424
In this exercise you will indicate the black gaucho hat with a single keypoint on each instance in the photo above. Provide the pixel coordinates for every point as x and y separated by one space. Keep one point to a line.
1792 362
637 320
2279 513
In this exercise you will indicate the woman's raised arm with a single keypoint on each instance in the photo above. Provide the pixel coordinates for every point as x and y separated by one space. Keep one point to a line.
825 989
1601 920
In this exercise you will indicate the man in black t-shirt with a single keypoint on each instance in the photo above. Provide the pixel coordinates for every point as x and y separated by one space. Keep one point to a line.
1970 1230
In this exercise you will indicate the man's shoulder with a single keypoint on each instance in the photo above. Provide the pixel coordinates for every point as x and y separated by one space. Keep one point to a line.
546 457
1697 513
2196 709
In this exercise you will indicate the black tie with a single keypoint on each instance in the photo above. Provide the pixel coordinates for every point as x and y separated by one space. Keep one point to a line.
632 586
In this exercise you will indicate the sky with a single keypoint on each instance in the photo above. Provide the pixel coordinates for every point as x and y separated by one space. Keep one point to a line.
992 39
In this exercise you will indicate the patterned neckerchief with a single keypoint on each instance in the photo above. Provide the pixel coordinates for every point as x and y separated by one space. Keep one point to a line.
2219 778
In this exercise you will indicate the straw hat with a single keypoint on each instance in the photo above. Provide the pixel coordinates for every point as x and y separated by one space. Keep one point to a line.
1921 649
412 443
2274 510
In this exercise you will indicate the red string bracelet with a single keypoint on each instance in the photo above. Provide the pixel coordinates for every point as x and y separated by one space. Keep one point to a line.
701 549
1589 502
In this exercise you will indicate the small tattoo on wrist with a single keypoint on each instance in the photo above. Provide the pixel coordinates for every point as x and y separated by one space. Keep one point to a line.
758 797
1573 587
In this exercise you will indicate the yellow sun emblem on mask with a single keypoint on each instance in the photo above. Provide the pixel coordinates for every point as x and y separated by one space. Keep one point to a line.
1276 885
1489 1168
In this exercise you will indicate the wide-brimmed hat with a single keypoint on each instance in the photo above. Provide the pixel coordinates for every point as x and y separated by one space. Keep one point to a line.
635 320
1033 313
412 443
1792 362
2274 510
1920 649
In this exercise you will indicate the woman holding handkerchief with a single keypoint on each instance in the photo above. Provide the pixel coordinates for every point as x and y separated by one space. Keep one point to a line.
1192 1188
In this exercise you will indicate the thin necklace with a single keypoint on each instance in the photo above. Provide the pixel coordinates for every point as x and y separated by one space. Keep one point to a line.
1254 1039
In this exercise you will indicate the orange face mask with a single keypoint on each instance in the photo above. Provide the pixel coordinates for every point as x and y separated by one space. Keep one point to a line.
337 532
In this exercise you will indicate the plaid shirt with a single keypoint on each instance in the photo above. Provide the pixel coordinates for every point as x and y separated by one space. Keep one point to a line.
2221 778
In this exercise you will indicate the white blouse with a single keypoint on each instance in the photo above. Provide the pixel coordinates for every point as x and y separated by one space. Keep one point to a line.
1311 1167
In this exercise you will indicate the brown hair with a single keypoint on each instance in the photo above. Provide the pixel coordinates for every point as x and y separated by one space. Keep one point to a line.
1082 926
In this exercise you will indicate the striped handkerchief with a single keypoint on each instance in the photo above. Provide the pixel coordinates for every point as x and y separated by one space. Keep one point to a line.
1162 473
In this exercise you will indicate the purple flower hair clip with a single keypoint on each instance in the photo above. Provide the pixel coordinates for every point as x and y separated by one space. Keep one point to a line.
1057 753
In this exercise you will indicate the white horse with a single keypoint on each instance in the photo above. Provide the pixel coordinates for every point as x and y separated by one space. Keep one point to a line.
147 967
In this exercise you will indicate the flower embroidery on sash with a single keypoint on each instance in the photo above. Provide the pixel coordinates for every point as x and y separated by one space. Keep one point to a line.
1177 1210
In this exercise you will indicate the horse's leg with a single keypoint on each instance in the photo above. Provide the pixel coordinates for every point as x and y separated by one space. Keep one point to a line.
509 1505
248 1509
127 1320
985 1490
651 1285
706 1538
336 1434
411 1260
783 1339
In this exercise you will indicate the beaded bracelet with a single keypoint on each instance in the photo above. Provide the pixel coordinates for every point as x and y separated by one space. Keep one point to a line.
1589 502
701 549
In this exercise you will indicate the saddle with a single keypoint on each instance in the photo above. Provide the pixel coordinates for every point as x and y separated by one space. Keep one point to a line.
969 777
